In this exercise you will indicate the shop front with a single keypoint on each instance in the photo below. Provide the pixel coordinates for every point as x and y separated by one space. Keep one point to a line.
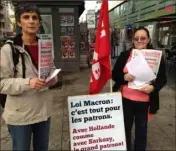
162 31
129 15
161 25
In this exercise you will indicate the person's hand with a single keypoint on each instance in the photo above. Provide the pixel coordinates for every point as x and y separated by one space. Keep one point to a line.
128 77
150 116
36 83
147 88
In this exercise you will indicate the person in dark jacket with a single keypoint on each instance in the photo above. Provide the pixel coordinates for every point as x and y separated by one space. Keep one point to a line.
137 103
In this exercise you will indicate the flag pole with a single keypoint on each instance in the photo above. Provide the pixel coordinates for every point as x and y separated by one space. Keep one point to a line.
111 73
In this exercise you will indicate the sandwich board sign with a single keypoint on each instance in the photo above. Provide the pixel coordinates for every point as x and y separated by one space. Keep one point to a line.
96 122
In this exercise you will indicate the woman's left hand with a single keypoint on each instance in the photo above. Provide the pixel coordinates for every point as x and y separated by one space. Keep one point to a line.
147 88
150 116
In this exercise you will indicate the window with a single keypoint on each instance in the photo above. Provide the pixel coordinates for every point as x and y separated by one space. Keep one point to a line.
125 7
45 10
2 25
120 9
117 10
110 15
66 10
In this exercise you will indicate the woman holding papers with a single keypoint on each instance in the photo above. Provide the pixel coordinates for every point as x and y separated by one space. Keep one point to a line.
29 101
137 103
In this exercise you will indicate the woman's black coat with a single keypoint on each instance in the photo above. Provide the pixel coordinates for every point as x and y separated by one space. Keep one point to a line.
160 81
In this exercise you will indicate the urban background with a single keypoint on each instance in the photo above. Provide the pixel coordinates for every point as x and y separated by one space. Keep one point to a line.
70 23
159 16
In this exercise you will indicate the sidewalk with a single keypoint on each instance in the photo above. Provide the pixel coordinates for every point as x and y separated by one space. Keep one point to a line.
161 132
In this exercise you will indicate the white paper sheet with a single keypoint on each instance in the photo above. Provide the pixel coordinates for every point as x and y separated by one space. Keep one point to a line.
54 74
139 68
152 57
132 85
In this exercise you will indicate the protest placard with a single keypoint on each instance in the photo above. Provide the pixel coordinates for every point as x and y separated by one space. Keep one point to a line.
45 58
46 66
153 58
96 122
45 30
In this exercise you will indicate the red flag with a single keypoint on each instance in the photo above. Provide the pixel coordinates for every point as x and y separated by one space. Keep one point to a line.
101 67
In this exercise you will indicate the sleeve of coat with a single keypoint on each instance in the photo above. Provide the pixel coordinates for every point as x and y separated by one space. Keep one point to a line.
8 84
117 72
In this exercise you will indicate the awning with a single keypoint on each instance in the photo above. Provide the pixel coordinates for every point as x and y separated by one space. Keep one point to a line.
170 18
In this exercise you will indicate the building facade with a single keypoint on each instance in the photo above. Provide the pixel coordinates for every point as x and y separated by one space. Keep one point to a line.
6 11
159 16
60 23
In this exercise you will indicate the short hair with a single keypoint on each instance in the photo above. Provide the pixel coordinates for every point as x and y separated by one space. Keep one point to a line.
26 8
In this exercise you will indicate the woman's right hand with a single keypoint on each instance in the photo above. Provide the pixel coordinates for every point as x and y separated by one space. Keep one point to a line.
36 83
128 77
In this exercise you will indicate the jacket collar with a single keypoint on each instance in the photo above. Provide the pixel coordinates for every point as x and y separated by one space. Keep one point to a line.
18 40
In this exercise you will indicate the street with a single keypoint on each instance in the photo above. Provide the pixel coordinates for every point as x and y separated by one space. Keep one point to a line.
161 131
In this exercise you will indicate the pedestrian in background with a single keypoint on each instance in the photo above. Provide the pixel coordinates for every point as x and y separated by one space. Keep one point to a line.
28 108
137 103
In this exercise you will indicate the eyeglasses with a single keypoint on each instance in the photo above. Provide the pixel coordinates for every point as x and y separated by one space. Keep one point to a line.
141 38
